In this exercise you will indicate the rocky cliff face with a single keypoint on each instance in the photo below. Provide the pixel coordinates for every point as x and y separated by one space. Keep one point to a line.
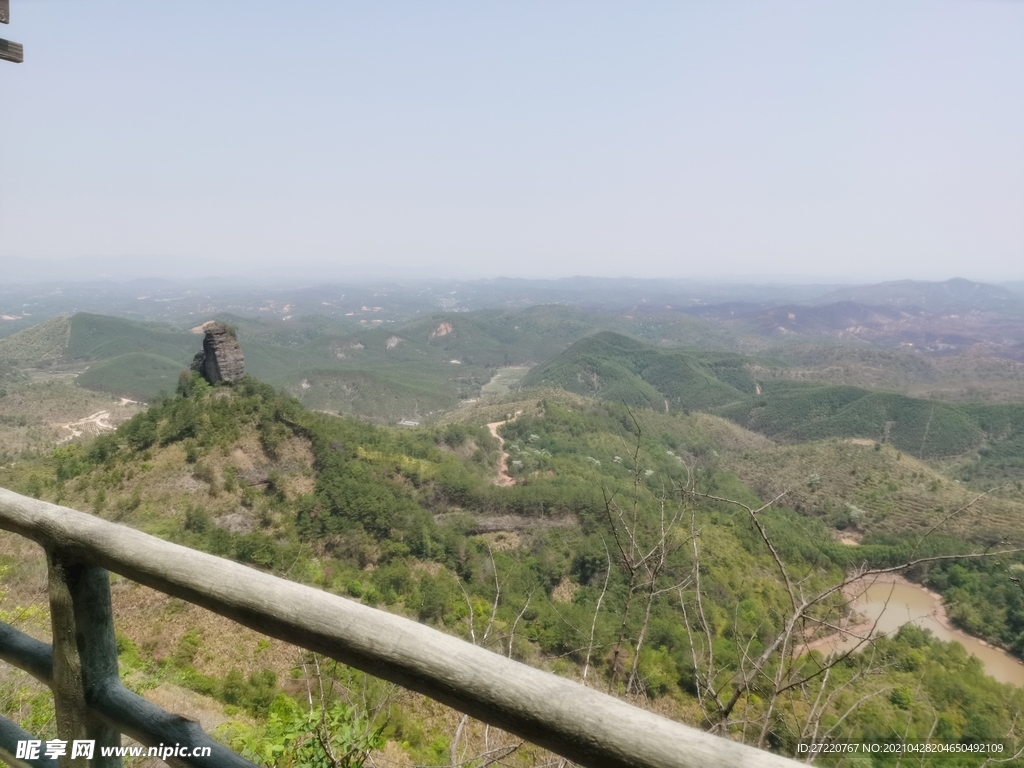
221 358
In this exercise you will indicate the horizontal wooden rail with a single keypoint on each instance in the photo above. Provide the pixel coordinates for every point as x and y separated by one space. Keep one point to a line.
11 51
588 727
10 735
27 653
109 703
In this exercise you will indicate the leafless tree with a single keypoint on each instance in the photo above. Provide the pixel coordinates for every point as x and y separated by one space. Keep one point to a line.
490 754
645 553
774 669
781 666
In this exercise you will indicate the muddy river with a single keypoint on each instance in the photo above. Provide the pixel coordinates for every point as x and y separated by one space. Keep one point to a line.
895 604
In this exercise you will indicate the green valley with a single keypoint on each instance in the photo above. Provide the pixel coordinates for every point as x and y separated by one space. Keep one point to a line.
644 501
412 521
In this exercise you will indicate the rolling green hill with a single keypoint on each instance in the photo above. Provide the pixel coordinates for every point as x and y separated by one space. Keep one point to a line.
121 357
38 345
379 372
989 437
98 337
386 372
615 367
86 337
415 369
861 488
920 427
554 569
137 375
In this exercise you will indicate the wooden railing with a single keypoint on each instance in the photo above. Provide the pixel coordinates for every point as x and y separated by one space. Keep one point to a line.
9 51
579 723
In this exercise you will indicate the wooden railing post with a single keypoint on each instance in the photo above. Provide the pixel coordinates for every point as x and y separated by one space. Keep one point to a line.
84 656
586 726
9 51
68 692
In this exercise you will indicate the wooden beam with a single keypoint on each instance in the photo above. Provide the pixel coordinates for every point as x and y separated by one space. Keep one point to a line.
96 650
72 713
124 711
5 11
588 727
10 735
27 653
12 51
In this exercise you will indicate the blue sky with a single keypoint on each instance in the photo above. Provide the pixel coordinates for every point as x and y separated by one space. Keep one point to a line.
838 140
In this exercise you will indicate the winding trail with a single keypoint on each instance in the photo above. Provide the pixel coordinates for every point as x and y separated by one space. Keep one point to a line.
503 478
99 420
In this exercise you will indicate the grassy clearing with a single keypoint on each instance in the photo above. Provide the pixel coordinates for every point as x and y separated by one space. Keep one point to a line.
504 381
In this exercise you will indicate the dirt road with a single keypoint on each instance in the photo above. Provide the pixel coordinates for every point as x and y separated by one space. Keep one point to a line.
503 478
100 421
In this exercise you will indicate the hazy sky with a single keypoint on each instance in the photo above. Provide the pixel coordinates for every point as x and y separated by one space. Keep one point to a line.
850 140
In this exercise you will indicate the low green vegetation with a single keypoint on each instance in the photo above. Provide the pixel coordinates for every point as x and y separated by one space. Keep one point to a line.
617 550
606 560
985 597
798 413
865 487
98 337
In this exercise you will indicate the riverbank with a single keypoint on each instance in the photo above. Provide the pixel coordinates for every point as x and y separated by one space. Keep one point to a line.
862 627
881 605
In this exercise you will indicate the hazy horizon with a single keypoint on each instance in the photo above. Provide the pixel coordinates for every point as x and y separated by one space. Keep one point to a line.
81 269
784 142
85 270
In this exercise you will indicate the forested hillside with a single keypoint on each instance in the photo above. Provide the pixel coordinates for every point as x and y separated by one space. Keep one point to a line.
616 367
608 559
369 364
988 437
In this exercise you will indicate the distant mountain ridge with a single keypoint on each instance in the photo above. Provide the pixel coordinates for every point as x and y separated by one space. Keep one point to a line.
940 318
950 294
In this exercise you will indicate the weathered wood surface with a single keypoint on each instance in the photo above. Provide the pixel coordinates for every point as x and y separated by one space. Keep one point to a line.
27 653
12 51
122 710
586 726
92 653
5 11
10 735
72 713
